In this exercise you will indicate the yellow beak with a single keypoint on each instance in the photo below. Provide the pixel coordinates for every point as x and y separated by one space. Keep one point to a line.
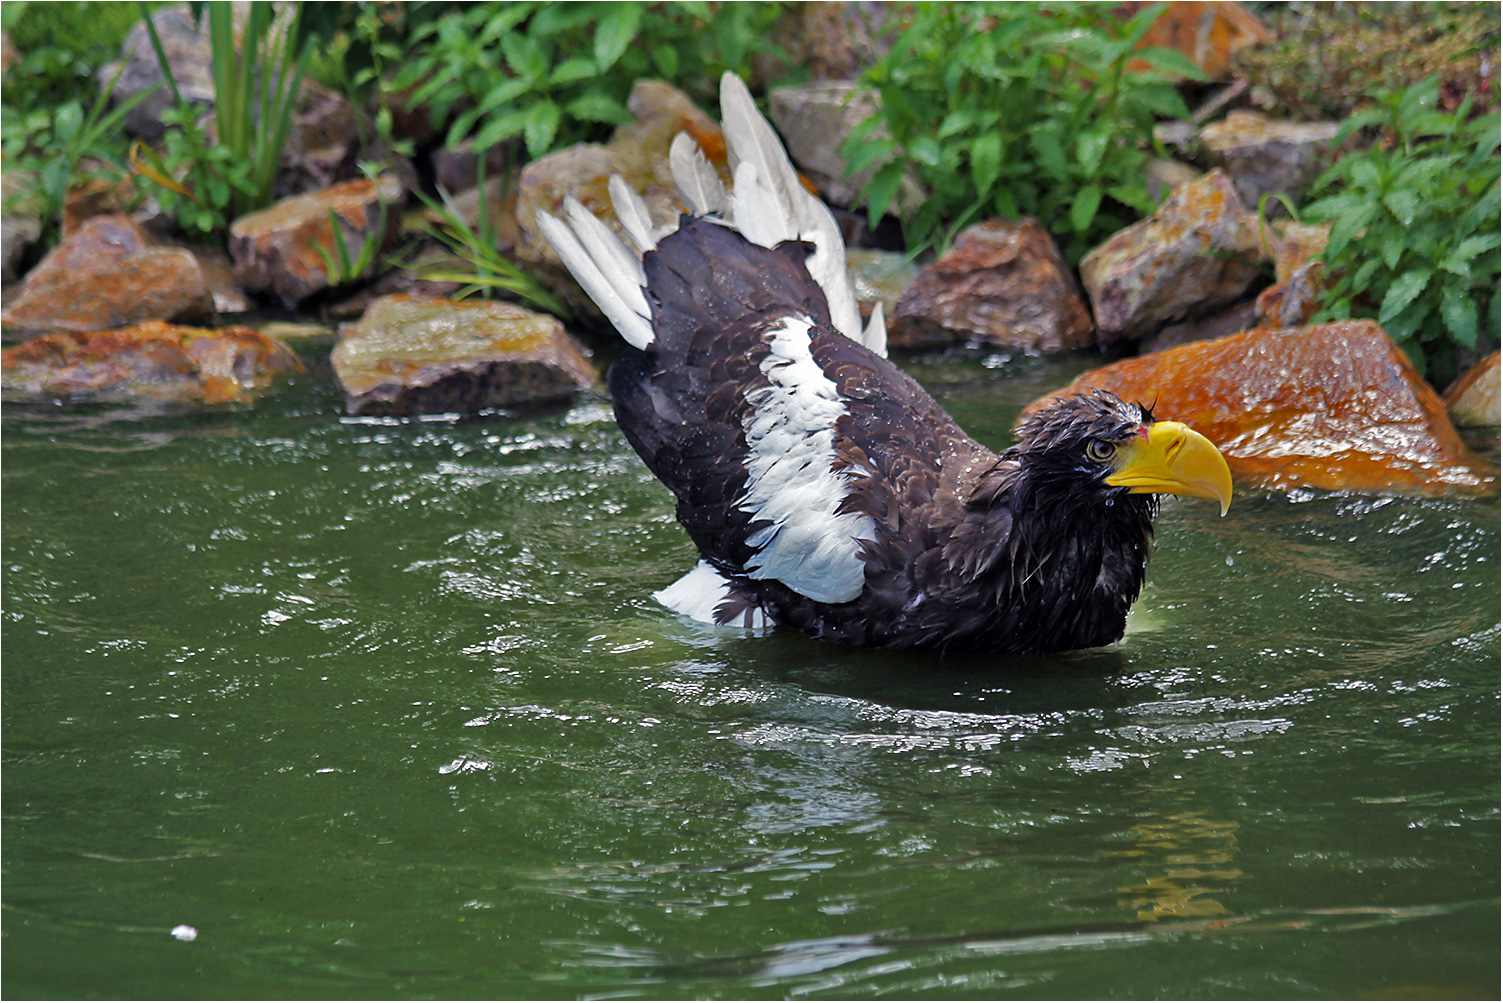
1174 459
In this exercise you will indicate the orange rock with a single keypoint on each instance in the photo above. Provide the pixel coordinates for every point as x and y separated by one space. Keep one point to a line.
1208 33
108 273
277 248
151 359
1334 406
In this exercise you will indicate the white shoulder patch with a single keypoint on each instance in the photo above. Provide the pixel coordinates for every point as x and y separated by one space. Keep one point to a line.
698 593
791 478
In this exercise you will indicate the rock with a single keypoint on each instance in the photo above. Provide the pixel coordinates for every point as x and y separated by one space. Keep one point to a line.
1208 33
1265 157
1002 284
97 196
1334 406
880 277
814 121
188 53
457 168
1199 252
426 355
501 210
276 249
1472 400
109 274
152 359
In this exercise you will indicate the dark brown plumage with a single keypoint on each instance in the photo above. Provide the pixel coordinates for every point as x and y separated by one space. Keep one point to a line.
1030 551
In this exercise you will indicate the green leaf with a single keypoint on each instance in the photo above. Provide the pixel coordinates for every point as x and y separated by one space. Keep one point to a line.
572 70
1403 204
1088 149
884 184
616 32
1083 209
986 160
1459 312
597 108
1403 292
926 150
1391 248
501 127
540 126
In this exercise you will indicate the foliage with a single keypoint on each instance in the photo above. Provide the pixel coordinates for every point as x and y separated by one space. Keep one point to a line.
62 44
1328 56
490 271
51 148
255 89
1415 226
1018 109
555 74
340 266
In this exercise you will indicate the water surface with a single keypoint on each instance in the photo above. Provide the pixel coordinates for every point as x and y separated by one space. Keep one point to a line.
385 709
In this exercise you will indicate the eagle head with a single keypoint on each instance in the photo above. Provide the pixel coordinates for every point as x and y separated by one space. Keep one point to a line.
1096 443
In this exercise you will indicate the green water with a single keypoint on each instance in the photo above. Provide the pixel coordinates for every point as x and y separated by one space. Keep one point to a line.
385 709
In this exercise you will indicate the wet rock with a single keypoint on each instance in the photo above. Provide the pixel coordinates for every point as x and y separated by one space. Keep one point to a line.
1334 406
153 359
880 277
1199 252
1208 33
1472 401
420 355
97 196
277 249
814 121
1001 284
1263 156
109 274
457 168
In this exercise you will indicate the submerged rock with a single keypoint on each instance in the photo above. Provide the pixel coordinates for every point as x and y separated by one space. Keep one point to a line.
108 274
428 355
1003 284
1334 406
277 249
1200 251
1472 401
152 359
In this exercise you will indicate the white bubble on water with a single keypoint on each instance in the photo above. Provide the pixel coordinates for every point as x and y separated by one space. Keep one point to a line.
184 932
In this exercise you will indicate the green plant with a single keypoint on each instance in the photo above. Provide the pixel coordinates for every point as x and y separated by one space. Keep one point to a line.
256 86
554 74
1018 109
490 271
50 148
340 266
1415 226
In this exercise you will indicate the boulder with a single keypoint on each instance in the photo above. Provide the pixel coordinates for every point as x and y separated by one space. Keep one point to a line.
277 249
1472 401
1199 252
1264 156
1299 275
427 355
1004 284
108 274
1334 406
152 359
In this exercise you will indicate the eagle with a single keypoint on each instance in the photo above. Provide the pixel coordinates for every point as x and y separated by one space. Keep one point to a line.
822 486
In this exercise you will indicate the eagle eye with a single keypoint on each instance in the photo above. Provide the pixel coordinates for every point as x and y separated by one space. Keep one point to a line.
1099 451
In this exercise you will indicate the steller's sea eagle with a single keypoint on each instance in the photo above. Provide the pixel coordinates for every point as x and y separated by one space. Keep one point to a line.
823 487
